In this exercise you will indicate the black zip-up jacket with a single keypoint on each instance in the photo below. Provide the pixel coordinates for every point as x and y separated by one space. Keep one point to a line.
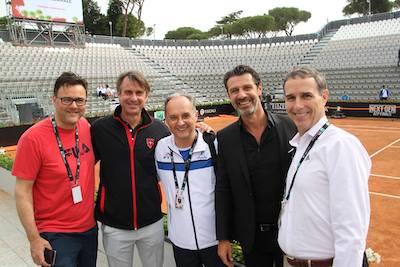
129 196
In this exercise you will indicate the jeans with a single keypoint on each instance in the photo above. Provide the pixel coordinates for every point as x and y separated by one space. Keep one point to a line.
74 249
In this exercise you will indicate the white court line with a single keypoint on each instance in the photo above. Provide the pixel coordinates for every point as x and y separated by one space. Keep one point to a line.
385 176
384 195
370 130
368 127
380 150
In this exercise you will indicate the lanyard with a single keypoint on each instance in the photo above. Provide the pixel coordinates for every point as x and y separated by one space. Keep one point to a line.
187 167
62 151
310 145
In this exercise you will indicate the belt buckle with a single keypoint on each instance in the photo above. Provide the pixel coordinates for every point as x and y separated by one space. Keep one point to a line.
265 227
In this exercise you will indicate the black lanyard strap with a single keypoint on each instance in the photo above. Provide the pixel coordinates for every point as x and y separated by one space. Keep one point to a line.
63 152
310 145
187 166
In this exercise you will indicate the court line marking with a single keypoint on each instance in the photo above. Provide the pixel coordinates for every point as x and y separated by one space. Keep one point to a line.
380 150
370 130
384 195
385 176
367 127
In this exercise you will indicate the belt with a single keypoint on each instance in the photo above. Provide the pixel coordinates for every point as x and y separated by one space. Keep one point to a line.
267 227
309 263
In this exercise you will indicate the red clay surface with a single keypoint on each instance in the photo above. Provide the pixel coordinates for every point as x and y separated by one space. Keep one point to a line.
381 137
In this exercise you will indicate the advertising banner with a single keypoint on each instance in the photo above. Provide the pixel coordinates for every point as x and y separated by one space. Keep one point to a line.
50 10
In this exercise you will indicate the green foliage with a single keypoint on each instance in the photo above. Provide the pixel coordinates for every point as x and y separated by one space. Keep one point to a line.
396 4
230 18
362 7
181 33
113 12
251 27
135 28
237 252
198 36
3 23
95 22
149 31
6 162
286 18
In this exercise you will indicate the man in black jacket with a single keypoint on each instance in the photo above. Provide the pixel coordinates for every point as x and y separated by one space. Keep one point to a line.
253 158
128 201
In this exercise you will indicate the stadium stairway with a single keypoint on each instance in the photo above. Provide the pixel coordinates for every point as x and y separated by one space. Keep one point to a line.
179 84
317 48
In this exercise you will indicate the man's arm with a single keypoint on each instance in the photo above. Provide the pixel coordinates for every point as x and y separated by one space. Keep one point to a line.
24 203
225 252
349 169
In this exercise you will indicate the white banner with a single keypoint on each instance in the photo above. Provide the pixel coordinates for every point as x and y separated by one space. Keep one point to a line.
50 10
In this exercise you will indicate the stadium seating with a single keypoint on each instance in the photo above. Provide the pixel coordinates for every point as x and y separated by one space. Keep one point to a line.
358 56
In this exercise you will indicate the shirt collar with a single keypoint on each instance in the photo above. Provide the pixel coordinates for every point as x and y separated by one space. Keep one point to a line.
310 133
270 121
200 146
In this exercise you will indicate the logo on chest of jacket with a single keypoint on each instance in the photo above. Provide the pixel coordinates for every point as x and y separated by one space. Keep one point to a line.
150 142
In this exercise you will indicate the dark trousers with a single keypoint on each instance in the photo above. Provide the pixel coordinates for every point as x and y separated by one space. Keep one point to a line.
197 258
74 249
266 251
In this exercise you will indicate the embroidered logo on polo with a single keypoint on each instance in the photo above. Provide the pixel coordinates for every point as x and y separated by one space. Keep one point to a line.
150 142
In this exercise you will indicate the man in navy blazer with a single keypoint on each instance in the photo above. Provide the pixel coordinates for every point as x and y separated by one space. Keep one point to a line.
253 158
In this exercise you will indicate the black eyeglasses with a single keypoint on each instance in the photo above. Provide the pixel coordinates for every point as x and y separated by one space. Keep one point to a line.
68 100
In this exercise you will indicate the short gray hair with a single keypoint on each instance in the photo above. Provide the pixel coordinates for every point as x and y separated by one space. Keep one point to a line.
178 94
306 72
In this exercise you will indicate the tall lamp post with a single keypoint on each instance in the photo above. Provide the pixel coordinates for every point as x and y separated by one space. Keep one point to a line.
110 23
369 7
154 32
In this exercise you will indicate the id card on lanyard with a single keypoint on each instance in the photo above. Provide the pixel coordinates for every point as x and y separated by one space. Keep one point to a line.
310 145
75 187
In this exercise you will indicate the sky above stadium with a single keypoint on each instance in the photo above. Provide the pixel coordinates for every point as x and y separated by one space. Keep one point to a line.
170 14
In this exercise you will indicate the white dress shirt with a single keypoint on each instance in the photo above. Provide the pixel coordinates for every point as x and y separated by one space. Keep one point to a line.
327 214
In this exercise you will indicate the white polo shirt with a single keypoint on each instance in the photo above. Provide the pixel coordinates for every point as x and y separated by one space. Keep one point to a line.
327 214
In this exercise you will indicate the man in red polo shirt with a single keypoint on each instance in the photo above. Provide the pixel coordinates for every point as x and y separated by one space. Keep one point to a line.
54 192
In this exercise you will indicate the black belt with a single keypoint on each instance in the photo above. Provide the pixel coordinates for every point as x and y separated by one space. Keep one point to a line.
309 263
267 227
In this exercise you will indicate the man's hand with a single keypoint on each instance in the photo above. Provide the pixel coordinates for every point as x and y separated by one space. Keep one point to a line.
37 250
202 127
225 252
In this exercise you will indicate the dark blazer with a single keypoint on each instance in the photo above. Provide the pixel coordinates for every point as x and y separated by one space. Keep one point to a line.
234 200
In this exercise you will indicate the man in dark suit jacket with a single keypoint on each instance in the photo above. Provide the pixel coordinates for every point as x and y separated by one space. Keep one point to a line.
253 158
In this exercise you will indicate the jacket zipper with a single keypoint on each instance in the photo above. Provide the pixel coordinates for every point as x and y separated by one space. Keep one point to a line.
131 142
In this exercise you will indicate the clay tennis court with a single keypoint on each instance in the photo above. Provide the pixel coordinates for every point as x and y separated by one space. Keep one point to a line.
381 137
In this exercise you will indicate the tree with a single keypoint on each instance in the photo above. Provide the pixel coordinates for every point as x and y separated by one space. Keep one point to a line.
225 25
181 33
3 23
149 31
198 36
230 18
286 18
134 27
259 26
362 6
95 22
140 4
113 12
127 8
396 4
